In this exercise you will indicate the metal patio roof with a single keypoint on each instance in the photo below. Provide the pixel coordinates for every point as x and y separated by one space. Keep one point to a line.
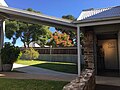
99 13
27 16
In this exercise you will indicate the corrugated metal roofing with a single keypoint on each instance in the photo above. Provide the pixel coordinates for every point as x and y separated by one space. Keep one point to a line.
3 3
99 13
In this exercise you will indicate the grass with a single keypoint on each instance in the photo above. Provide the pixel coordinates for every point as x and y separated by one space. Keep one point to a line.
56 66
18 84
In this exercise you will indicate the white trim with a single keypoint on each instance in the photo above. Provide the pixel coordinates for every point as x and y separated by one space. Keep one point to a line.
99 23
79 50
98 19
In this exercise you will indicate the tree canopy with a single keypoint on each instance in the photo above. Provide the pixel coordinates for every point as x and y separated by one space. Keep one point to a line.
69 17
27 32
71 33
60 40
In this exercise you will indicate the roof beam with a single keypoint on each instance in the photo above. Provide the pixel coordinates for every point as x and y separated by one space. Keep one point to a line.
32 17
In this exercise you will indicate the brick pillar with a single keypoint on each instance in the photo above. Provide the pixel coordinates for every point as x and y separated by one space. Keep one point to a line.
89 48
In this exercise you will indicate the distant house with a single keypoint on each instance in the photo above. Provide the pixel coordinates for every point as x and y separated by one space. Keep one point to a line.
101 28
33 44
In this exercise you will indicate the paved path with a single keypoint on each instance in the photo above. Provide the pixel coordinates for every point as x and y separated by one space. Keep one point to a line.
14 75
41 73
36 70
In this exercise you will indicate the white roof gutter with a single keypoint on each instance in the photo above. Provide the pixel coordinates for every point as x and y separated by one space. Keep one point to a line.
98 21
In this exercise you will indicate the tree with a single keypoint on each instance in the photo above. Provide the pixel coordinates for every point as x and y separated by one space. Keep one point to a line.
60 40
69 17
31 10
72 34
27 32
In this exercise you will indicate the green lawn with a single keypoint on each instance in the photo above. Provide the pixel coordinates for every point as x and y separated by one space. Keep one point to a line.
18 84
56 66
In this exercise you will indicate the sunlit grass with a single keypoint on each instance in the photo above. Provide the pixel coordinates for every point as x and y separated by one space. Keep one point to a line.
56 66
33 62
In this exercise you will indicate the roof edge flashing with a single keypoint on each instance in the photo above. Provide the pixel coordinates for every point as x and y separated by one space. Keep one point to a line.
88 9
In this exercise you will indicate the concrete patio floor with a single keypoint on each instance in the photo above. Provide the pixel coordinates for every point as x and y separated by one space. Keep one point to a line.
107 83
107 87
114 81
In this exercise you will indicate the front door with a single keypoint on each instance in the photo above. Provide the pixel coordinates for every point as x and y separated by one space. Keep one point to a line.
107 55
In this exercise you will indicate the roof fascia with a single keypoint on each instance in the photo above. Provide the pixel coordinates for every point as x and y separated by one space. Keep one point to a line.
35 16
94 22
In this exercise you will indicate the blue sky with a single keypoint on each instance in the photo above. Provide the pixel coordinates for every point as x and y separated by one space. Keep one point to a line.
58 8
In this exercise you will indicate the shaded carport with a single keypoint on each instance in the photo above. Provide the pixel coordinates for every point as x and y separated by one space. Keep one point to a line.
31 17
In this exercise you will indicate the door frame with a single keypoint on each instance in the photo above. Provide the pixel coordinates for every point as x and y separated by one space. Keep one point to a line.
105 37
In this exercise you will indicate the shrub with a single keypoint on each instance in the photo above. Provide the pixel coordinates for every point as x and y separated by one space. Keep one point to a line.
30 54
9 53
20 55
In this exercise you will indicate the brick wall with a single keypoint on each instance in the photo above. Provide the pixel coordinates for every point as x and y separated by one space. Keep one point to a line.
89 48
